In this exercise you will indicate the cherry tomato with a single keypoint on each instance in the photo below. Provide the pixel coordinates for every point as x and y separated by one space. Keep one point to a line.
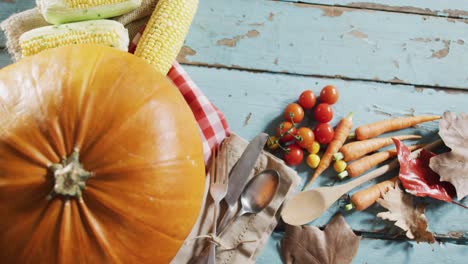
306 137
307 99
323 113
329 94
272 142
283 128
294 156
294 110
324 133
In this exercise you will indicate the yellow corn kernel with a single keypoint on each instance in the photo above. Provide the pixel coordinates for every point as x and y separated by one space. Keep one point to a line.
165 32
314 148
339 166
105 32
90 3
313 160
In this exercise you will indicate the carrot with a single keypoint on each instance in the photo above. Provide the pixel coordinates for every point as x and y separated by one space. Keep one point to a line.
365 163
380 127
357 149
362 199
341 134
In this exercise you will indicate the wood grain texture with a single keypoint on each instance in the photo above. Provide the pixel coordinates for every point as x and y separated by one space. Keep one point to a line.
383 252
261 98
329 41
456 9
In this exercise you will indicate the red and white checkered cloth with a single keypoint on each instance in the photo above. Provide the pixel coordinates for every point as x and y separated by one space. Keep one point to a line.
211 122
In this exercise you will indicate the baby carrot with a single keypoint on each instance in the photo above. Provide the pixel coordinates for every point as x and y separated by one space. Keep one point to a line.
362 199
357 149
341 134
365 163
380 127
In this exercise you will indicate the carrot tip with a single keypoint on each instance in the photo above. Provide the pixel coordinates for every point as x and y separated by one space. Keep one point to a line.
349 207
352 136
342 175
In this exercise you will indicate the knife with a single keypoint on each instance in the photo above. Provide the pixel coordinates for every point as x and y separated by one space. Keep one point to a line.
239 175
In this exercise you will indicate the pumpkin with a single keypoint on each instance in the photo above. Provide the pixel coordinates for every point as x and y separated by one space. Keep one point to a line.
101 160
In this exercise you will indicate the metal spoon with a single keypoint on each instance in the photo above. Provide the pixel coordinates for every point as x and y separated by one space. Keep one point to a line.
258 193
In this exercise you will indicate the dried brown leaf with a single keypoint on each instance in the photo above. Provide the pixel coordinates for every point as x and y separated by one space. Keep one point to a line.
408 217
452 166
310 245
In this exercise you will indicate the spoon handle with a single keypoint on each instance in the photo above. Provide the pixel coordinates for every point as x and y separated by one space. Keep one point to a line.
240 213
344 188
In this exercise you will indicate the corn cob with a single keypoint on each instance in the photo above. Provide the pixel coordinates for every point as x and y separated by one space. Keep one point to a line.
64 11
165 32
105 32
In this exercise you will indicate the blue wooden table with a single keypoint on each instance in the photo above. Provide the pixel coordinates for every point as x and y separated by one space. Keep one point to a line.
388 58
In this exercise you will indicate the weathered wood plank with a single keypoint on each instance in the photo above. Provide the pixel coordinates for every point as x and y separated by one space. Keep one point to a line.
384 252
9 7
457 9
261 98
329 41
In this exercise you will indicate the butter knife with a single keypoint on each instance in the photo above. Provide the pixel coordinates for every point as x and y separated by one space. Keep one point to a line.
238 177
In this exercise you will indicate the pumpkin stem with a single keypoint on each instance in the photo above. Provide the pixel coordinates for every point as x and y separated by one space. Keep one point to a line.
70 177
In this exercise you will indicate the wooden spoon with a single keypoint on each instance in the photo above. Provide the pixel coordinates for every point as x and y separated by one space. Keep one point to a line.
309 205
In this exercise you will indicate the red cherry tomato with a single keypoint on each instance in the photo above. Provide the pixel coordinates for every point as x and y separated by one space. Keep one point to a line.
283 129
294 156
329 94
306 137
307 99
294 110
324 133
323 113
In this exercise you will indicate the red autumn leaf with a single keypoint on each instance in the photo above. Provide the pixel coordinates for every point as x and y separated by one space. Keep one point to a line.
418 179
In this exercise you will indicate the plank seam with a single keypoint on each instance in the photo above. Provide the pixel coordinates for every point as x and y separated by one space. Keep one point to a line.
374 9
338 77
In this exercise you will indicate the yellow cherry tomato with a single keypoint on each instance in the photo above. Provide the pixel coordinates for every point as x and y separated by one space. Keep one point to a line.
314 148
272 142
339 166
313 160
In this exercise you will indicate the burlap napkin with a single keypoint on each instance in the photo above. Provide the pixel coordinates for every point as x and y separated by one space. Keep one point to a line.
247 236
19 23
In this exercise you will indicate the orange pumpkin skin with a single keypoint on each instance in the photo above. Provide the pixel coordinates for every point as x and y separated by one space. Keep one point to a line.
134 133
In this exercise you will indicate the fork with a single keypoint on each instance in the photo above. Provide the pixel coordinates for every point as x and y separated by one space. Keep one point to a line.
218 189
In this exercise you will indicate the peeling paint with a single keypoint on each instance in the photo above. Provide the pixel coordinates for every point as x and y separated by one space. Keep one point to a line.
443 52
396 63
358 34
184 52
276 61
257 24
455 20
252 33
403 9
456 235
418 89
425 40
456 13
332 11
270 16
460 42
396 80
231 42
